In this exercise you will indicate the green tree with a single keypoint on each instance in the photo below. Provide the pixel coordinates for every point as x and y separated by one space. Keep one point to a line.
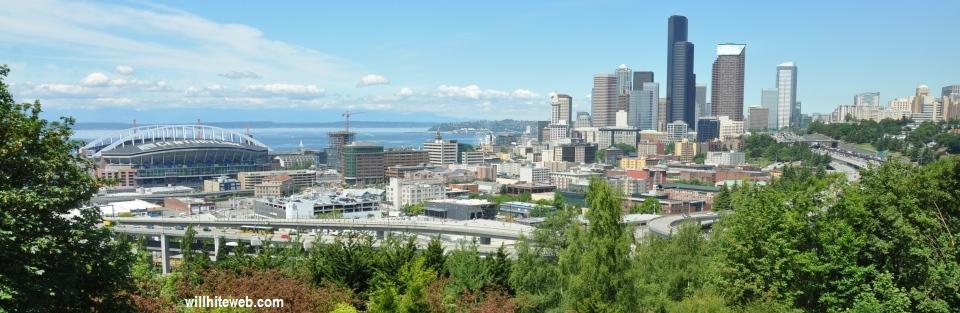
498 266
413 209
598 261
649 206
434 256
51 261
699 158
468 272
344 308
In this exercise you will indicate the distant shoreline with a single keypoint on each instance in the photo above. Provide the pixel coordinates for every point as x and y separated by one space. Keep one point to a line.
262 124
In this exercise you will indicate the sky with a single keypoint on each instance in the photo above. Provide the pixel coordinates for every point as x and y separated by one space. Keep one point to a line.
308 61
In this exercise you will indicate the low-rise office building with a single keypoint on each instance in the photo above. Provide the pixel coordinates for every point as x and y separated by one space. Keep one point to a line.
299 178
460 209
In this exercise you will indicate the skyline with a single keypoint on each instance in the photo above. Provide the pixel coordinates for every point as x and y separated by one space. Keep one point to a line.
494 64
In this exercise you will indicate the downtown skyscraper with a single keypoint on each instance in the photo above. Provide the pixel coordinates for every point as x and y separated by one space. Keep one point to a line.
561 109
788 110
681 82
603 100
726 97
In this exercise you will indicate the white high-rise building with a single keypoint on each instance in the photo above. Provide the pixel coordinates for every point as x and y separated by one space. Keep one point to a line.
561 109
442 152
788 113
900 104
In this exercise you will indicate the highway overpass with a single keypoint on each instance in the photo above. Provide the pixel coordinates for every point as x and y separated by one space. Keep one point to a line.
474 228
666 225
163 237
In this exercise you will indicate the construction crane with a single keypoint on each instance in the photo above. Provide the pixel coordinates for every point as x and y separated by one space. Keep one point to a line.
346 119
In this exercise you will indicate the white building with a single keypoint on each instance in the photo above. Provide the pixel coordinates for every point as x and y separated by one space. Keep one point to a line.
788 112
535 175
677 130
442 152
471 157
730 128
402 192
724 158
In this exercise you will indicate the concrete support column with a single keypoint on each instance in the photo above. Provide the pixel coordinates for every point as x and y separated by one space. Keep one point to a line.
164 254
216 248
484 240
381 234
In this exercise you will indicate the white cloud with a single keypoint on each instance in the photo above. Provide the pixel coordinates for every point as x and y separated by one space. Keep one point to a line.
475 92
524 93
59 90
138 33
371 80
471 91
95 79
240 75
405 92
123 69
208 91
286 90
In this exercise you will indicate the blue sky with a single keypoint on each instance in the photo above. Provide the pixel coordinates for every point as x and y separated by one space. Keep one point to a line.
443 60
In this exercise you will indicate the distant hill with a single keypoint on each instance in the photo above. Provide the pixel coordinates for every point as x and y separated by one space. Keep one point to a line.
496 126
265 124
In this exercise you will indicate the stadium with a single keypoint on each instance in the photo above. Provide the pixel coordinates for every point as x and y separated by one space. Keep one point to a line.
183 155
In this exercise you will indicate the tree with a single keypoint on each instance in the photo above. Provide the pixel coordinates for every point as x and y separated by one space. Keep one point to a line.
413 209
434 257
649 206
598 261
699 158
50 260
498 266
344 308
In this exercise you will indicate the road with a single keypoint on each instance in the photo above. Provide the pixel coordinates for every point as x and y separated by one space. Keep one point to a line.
473 228
665 226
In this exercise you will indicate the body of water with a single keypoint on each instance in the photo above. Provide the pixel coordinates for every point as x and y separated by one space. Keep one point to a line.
288 139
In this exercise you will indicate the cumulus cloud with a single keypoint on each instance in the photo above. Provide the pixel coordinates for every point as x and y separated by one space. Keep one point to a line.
123 69
371 80
95 79
405 92
239 75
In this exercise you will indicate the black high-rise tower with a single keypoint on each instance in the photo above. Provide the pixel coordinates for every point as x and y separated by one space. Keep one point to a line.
681 82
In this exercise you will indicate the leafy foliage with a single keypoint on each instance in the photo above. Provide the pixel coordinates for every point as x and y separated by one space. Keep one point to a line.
50 261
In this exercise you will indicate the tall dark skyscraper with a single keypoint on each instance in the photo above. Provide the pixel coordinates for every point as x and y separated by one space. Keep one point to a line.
640 78
727 92
681 82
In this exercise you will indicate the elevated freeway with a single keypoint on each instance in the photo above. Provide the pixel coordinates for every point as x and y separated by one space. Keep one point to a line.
161 241
666 225
475 228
